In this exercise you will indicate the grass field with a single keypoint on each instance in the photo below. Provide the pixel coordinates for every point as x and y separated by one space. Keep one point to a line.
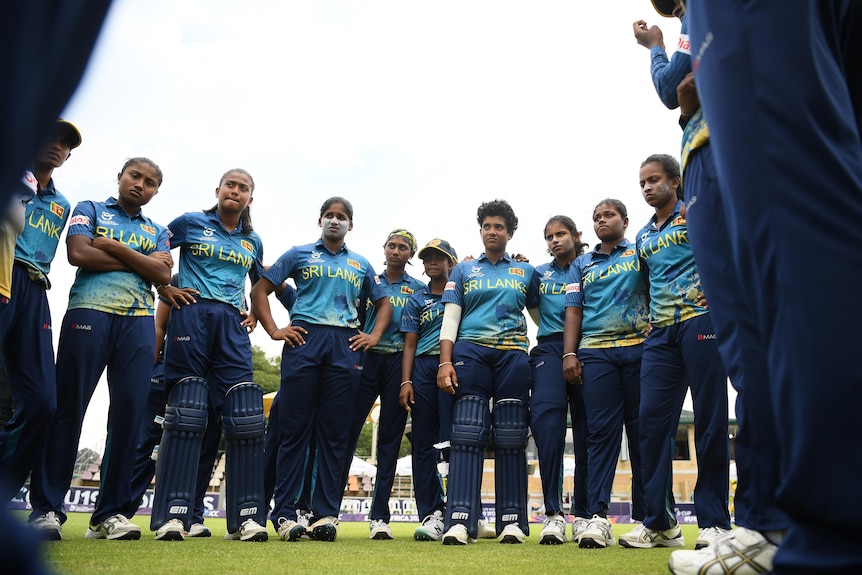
352 553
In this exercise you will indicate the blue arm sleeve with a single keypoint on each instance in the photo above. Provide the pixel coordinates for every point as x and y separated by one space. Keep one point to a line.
667 74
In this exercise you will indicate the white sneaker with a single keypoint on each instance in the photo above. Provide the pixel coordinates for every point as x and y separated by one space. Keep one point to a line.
199 530
740 551
553 530
49 526
289 530
512 534
484 530
579 524
457 535
303 518
642 537
171 531
431 528
324 529
379 530
707 535
116 527
251 530
598 534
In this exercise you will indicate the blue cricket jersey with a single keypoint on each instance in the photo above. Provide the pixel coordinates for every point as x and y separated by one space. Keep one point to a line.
551 280
328 284
612 290
399 293
116 292
213 260
44 220
675 286
423 316
492 298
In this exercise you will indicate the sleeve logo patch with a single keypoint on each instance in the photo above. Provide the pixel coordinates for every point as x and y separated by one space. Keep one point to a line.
516 272
573 288
377 280
354 264
79 220
449 286
57 209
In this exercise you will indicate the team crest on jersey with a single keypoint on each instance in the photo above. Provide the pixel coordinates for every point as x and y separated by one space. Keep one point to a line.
315 258
354 264
208 232
247 246
475 272
549 274
573 288
57 209
107 216
679 221
516 272
407 290
628 252
149 229
79 220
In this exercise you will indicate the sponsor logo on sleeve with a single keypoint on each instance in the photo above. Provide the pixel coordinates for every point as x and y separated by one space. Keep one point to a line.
79 220
377 280
449 286
573 288
684 44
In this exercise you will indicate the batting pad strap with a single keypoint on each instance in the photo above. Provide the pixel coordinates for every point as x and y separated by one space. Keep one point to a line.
511 424
243 411
471 422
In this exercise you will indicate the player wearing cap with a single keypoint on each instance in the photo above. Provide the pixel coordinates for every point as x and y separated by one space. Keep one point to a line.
483 356
430 409
780 86
320 366
381 375
551 398
25 320
681 353
742 350
606 321
120 254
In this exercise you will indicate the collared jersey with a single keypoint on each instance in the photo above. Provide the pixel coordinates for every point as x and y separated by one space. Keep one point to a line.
116 292
492 298
423 316
399 293
213 260
551 280
44 220
612 291
675 286
327 284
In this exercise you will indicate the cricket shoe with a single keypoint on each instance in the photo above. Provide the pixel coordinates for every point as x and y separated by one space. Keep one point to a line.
484 530
642 537
579 524
707 535
199 530
289 530
512 534
457 535
380 530
324 529
431 528
740 551
116 527
598 534
172 530
49 526
553 530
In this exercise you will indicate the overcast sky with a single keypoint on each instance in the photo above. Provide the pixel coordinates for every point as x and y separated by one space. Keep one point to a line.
416 112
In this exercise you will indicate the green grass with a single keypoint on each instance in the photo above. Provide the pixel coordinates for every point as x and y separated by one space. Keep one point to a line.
352 553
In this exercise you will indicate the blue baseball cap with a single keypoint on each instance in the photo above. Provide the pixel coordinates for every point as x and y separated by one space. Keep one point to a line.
664 7
441 246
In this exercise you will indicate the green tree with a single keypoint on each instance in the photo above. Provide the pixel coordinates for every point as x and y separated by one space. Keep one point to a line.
267 370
